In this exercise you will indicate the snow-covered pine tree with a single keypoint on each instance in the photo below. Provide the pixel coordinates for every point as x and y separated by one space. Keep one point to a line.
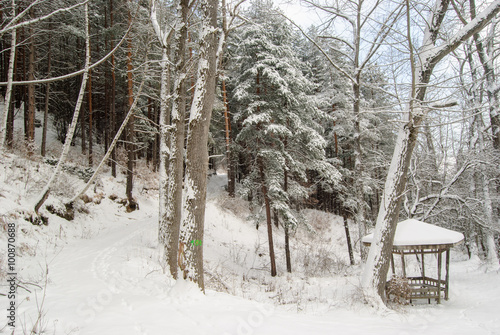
278 133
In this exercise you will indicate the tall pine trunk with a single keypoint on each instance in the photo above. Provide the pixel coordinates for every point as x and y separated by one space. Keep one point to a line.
231 180
113 92
91 122
31 91
130 129
268 216
47 95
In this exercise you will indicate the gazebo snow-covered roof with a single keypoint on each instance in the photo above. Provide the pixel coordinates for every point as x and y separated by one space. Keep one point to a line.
420 238
411 233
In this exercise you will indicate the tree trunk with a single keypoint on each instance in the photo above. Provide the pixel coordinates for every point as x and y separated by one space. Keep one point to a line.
231 182
358 168
113 92
196 149
47 95
31 91
69 135
149 149
10 78
491 248
91 122
130 131
83 133
287 251
486 59
348 239
268 217
107 114
164 122
286 226
173 200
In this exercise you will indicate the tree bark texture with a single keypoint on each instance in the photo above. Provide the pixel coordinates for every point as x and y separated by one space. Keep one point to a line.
173 211
10 78
195 180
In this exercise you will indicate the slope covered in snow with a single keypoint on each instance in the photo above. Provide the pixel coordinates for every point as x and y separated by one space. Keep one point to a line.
102 273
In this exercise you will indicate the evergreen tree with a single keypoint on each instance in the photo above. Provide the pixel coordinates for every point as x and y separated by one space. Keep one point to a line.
278 133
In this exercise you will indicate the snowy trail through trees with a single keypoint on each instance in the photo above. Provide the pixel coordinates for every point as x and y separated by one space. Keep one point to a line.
112 283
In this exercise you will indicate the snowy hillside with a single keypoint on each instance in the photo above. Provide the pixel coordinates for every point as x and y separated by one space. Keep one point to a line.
101 273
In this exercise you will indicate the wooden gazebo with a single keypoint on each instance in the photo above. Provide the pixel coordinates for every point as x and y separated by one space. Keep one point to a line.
418 238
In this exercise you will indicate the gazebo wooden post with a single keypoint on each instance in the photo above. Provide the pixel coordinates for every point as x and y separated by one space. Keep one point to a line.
423 269
403 263
392 264
439 276
447 274
423 265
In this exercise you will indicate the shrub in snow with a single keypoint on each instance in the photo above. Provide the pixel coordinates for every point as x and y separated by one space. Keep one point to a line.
398 290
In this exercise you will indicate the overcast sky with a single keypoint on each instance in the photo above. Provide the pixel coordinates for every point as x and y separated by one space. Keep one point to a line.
302 15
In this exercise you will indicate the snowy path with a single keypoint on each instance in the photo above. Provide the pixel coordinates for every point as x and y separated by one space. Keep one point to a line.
111 284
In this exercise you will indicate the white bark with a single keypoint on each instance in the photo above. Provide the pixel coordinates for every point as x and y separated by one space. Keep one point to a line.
172 138
113 143
164 148
69 135
491 248
13 25
10 77
164 127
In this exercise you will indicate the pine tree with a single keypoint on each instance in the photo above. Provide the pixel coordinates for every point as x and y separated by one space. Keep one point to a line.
279 133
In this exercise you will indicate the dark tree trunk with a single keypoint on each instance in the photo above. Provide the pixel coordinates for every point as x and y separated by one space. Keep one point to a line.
287 251
83 133
47 93
113 93
91 159
130 133
348 238
31 91
231 182
268 217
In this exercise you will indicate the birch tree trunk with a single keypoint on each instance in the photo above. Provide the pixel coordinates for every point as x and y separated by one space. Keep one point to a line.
491 248
377 264
69 135
10 79
164 126
487 58
173 210
195 180
164 146
113 143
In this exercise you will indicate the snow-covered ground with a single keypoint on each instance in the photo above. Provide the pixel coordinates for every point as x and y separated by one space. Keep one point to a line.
102 272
